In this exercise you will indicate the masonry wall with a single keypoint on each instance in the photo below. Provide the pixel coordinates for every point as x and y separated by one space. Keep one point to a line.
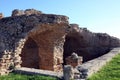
88 44
15 31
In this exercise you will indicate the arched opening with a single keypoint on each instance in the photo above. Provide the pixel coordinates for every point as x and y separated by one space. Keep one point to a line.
75 44
30 54
44 48
88 51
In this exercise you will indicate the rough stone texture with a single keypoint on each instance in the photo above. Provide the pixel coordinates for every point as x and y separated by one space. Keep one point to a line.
82 72
27 12
94 65
46 30
87 44
74 60
32 71
1 16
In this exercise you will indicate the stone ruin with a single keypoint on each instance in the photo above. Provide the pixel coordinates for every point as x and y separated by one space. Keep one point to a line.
1 16
74 60
34 39
87 44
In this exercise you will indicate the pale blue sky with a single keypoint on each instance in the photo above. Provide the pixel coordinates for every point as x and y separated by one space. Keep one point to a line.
96 15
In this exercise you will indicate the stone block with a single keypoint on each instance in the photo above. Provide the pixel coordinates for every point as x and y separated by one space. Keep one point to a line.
74 60
1 16
68 72
47 34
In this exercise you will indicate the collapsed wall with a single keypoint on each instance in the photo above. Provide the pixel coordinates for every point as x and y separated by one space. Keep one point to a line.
87 44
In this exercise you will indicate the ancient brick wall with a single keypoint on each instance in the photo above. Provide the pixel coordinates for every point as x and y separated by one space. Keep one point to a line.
43 29
74 60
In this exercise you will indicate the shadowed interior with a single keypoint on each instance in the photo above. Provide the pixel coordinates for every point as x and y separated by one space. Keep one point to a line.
78 45
29 55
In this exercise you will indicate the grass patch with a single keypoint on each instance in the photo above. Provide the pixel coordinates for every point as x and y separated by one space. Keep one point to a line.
13 76
111 71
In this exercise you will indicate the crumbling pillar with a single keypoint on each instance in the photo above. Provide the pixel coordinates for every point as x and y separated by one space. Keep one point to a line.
47 30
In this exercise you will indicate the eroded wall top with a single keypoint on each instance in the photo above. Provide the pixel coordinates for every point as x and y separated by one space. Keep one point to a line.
22 22
15 29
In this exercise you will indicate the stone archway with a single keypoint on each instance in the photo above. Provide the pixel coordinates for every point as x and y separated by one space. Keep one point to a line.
16 37
30 54
46 42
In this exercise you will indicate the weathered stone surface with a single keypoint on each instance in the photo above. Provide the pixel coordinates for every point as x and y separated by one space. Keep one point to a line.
32 71
32 11
96 64
82 72
1 16
30 37
87 44
17 12
46 30
27 12
74 60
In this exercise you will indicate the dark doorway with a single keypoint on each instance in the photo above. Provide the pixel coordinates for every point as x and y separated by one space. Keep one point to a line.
30 54
76 43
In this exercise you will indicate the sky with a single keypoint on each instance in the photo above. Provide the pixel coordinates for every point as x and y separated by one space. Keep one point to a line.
96 15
